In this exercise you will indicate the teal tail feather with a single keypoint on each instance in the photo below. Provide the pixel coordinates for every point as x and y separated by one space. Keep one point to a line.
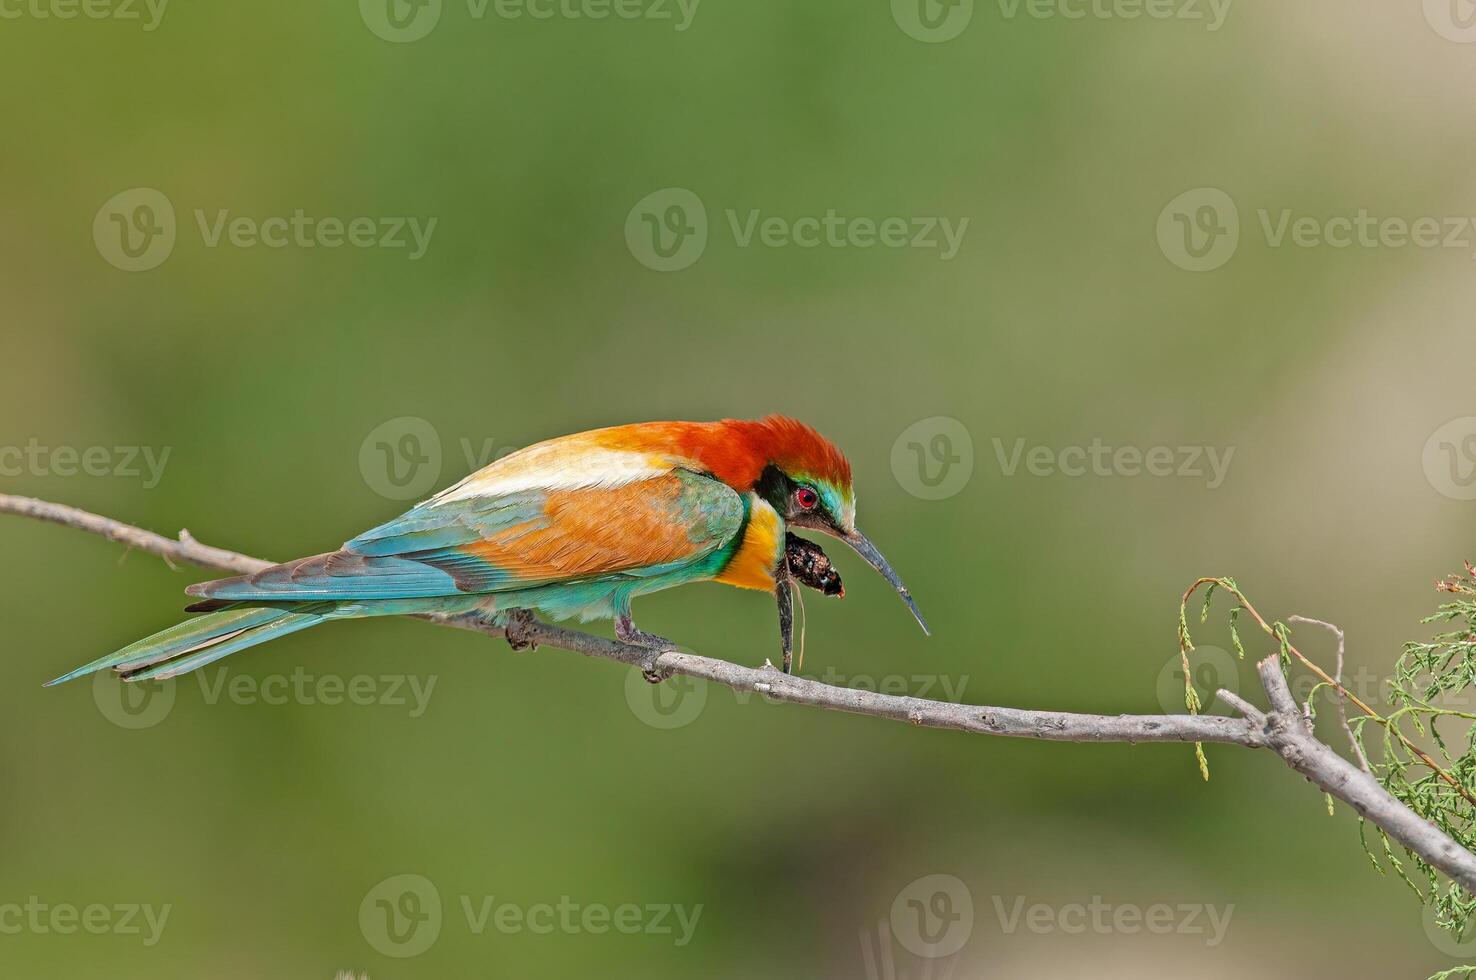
203 640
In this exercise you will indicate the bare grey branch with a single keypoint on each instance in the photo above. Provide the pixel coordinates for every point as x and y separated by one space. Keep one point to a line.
1283 729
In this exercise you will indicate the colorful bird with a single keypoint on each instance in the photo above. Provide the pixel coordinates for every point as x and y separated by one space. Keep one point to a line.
577 526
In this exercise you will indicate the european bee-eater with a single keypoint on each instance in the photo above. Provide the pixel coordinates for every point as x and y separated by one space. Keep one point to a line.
575 526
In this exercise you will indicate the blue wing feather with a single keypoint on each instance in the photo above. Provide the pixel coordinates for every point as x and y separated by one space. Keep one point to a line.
432 526
420 554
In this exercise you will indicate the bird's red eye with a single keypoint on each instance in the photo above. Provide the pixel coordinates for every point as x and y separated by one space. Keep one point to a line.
806 498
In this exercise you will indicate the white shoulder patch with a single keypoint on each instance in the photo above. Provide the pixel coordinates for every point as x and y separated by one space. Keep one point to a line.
558 465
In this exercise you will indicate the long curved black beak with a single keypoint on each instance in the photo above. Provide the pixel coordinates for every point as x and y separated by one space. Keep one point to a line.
874 558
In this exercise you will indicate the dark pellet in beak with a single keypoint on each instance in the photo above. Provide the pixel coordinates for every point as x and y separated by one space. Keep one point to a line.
810 565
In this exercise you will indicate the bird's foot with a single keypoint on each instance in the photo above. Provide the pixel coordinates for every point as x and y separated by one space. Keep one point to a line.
517 629
785 595
626 632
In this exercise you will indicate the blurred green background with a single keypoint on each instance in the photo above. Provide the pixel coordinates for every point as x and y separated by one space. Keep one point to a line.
272 376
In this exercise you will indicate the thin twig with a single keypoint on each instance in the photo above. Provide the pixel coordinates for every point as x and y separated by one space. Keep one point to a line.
1283 729
1338 689
1247 709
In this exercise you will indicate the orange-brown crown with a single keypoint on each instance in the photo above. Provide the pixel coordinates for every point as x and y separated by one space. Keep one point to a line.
799 450
737 451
